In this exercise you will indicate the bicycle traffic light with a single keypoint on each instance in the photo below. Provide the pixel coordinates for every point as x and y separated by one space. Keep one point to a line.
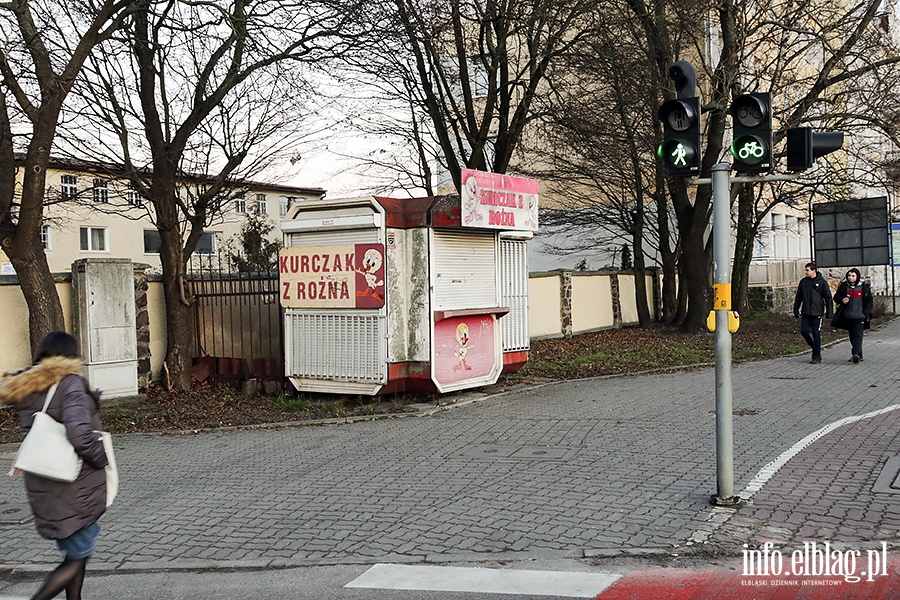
680 148
804 146
752 125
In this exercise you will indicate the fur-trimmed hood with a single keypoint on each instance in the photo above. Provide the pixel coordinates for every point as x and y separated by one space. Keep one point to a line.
17 387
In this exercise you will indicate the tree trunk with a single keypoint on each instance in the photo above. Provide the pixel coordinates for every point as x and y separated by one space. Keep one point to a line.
743 249
45 312
24 248
695 275
179 314
681 306
640 274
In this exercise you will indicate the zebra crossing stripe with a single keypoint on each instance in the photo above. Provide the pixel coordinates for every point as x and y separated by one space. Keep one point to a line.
566 584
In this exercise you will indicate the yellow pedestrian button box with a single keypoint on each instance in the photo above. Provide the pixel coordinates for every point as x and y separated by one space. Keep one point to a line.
734 321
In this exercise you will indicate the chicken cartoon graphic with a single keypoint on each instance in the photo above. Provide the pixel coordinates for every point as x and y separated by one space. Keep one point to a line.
532 220
462 338
470 195
371 263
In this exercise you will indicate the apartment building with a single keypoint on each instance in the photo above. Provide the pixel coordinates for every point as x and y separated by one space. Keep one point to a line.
92 213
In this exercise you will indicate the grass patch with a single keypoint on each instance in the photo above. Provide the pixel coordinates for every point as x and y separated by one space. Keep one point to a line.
630 350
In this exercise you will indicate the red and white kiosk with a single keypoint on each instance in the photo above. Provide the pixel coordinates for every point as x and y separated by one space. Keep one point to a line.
383 294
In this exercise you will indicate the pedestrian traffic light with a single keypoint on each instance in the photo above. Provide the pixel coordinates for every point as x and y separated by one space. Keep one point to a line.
680 148
752 124
804 146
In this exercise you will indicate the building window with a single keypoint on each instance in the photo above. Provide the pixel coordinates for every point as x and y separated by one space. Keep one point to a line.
68 187
240 204
151 241
101 192
45 237
132 196
480 76
93 239
205 245
262 207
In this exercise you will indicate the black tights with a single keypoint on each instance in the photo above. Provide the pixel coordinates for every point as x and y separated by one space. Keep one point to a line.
69 576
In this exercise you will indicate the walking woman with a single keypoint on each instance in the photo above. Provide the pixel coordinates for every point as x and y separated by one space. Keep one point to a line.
65 512
854 310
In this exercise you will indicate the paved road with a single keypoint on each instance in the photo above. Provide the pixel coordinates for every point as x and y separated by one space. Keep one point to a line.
579 469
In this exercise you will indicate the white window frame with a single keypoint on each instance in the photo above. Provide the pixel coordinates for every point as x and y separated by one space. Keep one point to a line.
479 76
89 239
262 204
46 238
240 204
101 191
132 196
68 187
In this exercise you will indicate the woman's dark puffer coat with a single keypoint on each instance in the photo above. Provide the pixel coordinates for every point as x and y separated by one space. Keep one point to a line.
60 509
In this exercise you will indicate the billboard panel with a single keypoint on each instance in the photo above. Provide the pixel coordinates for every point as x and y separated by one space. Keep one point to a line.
852 233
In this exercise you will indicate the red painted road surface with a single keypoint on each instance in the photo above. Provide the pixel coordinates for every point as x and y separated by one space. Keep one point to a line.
731 584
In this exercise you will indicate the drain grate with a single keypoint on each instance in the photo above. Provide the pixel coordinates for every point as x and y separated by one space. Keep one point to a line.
14 513
888 481
519 452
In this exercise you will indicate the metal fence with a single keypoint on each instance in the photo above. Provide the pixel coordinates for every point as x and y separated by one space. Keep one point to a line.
238 323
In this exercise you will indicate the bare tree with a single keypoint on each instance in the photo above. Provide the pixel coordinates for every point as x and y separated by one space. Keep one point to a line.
211 89
473 67
42 54
826 66
593 151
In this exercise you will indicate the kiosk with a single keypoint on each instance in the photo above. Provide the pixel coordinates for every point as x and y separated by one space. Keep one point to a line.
425 294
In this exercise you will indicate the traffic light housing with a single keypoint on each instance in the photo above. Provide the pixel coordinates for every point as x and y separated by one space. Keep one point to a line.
804 146
752 125
680 148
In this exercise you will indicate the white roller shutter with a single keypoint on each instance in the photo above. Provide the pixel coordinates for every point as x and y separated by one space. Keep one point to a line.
465 270
514 294
333 238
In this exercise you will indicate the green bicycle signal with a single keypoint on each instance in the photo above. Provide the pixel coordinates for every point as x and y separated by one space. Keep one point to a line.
752 127
749 149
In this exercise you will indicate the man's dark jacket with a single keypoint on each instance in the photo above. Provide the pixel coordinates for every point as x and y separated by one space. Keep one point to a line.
815 296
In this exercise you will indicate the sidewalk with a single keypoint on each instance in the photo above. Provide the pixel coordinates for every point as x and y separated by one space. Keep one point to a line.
579 469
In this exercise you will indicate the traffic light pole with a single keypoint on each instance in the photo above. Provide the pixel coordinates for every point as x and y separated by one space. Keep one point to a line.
721 181
721 189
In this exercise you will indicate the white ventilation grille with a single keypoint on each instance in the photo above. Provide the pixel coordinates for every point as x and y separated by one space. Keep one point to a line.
514 294
464 270
338 347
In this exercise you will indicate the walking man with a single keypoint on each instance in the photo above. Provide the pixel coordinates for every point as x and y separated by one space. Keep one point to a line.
812 302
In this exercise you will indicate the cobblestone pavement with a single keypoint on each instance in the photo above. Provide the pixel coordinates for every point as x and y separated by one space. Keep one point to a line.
573 469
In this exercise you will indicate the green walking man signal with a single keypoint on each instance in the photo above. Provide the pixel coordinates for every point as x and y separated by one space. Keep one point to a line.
680 148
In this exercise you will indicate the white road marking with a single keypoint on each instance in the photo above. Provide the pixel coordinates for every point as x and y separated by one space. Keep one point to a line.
718 515
565 584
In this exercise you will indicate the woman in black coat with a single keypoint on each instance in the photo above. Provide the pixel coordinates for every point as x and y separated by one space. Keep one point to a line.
65 512
854 310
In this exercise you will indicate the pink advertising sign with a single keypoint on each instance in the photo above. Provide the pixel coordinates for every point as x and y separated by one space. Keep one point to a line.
495 201
344 276
464 348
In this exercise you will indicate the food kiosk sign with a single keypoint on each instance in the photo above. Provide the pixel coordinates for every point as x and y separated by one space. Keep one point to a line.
494 201
342 276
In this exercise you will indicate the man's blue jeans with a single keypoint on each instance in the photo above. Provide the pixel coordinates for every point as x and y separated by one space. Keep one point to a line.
809 329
